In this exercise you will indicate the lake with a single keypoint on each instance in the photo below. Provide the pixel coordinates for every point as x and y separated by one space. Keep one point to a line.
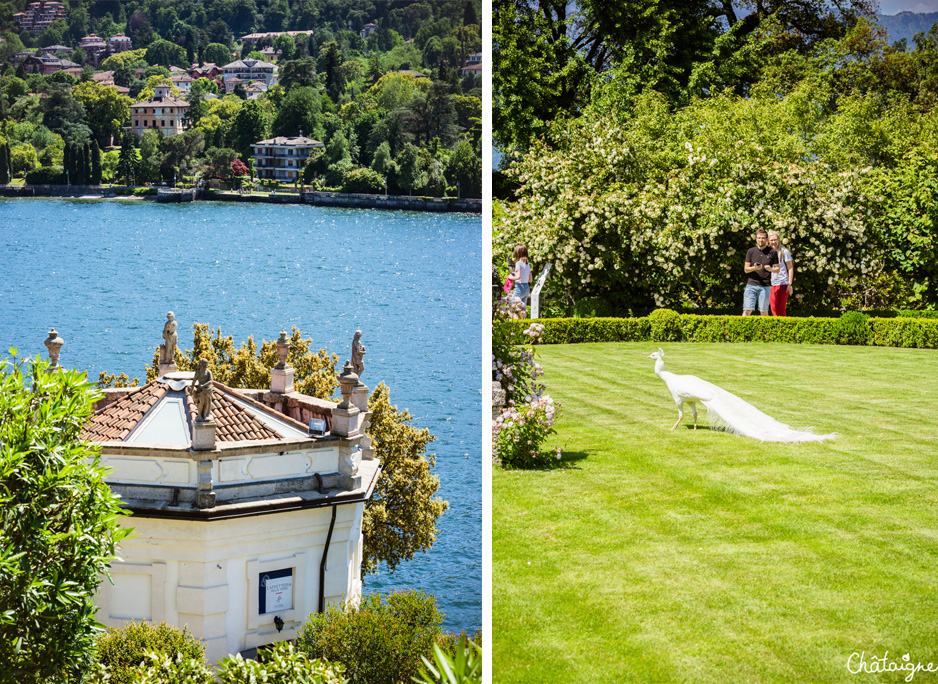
105 272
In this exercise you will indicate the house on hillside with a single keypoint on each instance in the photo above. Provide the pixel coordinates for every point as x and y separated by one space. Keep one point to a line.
162 111
283 158
46 64
39 16
367 30
247 70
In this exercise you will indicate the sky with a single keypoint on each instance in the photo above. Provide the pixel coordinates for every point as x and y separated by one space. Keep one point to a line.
896 6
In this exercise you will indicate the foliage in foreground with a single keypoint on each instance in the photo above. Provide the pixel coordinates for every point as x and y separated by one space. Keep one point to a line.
121 651
400 518
528 415
380 641
279 664
59 523
461 666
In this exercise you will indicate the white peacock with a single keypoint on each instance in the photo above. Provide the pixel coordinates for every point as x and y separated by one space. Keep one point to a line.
725 410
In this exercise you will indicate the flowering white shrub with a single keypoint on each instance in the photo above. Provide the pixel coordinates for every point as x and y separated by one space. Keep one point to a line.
658 208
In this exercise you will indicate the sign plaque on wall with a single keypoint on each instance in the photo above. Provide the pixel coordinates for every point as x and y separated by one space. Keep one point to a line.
275 591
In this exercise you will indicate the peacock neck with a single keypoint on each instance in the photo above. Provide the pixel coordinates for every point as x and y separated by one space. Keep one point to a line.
659 367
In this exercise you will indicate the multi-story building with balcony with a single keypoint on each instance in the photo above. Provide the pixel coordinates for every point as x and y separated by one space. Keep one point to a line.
283 158
248 70
162 111
39 15
119 43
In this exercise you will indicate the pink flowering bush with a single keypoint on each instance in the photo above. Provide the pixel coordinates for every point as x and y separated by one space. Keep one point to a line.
518 433
529 413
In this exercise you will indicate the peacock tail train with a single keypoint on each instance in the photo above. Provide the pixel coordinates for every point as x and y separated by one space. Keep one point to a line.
726 411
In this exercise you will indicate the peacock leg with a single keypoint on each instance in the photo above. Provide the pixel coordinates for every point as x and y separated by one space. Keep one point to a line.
680 415
694 408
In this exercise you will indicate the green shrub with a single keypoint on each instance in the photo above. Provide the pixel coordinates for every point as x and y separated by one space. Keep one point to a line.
852 328
665 325
901 331
592 307
122 651
460 665
144 192
280 664
906 313
46 175
363 180
59 524
381 641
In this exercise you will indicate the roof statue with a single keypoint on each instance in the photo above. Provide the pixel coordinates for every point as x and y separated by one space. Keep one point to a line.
358 351
201 390
168 348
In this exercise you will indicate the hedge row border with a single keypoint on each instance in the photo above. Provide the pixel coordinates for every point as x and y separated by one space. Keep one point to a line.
917 333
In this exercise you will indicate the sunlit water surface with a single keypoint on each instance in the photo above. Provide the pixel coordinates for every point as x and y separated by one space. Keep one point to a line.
104 274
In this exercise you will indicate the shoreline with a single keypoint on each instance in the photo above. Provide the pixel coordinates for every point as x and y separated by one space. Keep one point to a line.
311 197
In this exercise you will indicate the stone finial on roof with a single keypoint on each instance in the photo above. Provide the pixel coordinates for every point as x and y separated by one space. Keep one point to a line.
283 349
347 382
54 345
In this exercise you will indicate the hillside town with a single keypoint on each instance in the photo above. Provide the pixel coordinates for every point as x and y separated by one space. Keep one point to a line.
243 94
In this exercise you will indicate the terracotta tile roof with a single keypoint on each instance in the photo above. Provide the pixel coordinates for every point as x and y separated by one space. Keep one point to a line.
114 422
233 423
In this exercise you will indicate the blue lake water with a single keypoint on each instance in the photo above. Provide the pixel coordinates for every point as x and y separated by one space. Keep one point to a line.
104 274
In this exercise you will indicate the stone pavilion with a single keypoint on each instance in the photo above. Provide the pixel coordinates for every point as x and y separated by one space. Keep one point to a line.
247 505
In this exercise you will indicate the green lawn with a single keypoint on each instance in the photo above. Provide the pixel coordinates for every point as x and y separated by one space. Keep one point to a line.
659 556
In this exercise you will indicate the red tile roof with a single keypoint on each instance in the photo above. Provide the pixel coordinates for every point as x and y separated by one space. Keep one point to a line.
234 423
114 422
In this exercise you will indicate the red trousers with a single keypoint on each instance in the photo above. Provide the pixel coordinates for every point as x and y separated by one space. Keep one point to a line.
778 299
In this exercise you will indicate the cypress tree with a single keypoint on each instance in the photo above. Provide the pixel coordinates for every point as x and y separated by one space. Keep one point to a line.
95 163
86 169
67 161
4 165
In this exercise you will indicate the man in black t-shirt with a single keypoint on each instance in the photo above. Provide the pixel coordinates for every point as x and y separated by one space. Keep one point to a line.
761 263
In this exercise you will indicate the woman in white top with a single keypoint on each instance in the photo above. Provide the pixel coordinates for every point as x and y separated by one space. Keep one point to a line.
522 274
781 281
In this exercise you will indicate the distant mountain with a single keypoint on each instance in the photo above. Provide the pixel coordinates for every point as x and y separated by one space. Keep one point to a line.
907 24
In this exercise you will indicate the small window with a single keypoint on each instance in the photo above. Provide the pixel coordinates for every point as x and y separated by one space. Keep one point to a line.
163 123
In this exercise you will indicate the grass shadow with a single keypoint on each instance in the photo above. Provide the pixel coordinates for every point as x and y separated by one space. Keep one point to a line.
566 462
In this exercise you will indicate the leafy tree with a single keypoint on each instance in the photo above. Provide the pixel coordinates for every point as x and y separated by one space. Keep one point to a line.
299 73
216 53
179 152
240 91
166 54
408 165
63 113
465 167
286 46
108 111
122 59
59 526
219 161
11 45
250 125
300 111
23 158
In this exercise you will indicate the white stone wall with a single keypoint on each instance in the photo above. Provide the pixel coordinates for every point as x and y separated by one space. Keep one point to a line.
203 573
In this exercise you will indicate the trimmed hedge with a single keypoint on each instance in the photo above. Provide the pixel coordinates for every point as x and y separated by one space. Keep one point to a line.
664 325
